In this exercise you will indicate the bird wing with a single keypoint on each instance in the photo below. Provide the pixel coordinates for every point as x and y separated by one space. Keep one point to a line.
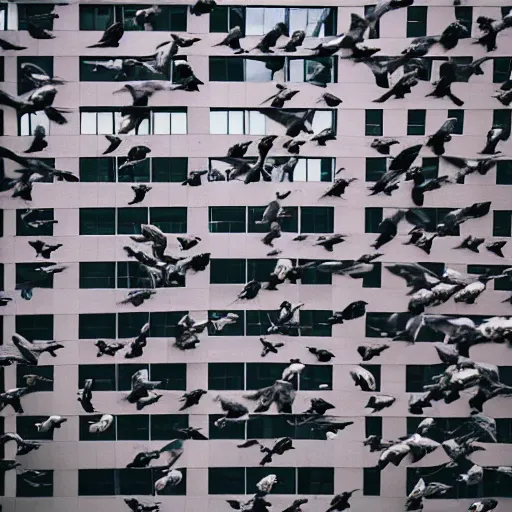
458 162
279 116
7 153
39 132
405 158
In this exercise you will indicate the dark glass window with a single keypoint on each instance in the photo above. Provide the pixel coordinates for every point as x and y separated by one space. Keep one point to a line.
236 329
227 271
135 481
28 276
269 427
314 376
26 428
417 376
286 479
501 69
226 69
501 118
231 430
416 122
164 323
227 219
96 482
169 170
312 276
93 170
375 168
374 123
130 324
257 322
373 218
260 269
129 220
98 274
317 219
169 219
97 221
375 33
97 326
173 376
35 327
163 426
375 370
45 489
315 480
133 174
416 21
45 63
504 172
23 229
373 278
288 224
373 426
85 423
131 274
45 371
226 480
464 16
430 167
501 224
132 427
261 375
38 12
371 481
226 376
311 322
459 114
504 430
104 376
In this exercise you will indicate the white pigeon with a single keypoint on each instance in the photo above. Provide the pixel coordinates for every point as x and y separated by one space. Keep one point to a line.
172 478
265 484
294 369
101 425
50 424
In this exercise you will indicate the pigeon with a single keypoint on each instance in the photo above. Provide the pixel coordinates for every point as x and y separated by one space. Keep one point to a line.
330 100
293 146
136 506
269 40
281 393
284 94
383 7
296 505
44 249
295 123
37 32
38 143
456 217
191 433
6 46
136 347
140 192
368 352
496 247
194 178
364 379
401 88
380 402
383 145
340 501
436 141
108 349
136 155
239 150
85 396
145 18
358 25
320 75
494 136
22 446
388 229
296 40
491 28
191 398
233 410
269 346
323 355
141 386
329 241
482 166
483 505
232 40
324 136
294 369
114 143
339 187
50 424
111 37
137 297
103 424
203 7
472 243
442 88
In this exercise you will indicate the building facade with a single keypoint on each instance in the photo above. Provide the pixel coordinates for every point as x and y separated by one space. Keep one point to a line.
187 131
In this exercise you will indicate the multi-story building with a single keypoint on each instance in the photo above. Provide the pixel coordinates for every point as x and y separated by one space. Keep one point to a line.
187 131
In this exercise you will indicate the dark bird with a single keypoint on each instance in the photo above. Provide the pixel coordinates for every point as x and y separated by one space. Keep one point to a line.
437 141
85 396
296 505
137 297
35 76
330 100
368 352
324 136
401 88
136 349
504 97
296 40
194 178
320 75
380 402
191 433
383 145
111 37
281 393
142 459
481 166
250 291
456 217
283 94
323 355
491 28
203 7
338 188
233 410
136 155
293 146
23 446
108 349
186 242
239 150
4 300
319 406
483 505
364 379
496 247
191 398
140 192
383 7
145 18
232 40
340 501
269 40
422 185
37 32
114 141
185 77
6 45
269 346
494 136
136 506
443 88
348 40
472 243
38 142
280 447
388 229
329 241
295 123
43 249
354 310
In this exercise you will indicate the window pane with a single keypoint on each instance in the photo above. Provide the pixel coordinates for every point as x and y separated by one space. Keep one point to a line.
236 122
227 271
315 480
169 170
132 427
257 124
96 482
226 480
231 430
129 220
261 375
97 221
254 21
225 376
285 478
218 122
105 123
96 326
371 482
161 123
35 327
256 70
317 219
227 219
179 123
173 376
41 371
163 425
98 274
322 120
104 376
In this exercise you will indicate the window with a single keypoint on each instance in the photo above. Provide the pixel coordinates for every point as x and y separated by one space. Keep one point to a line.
374 123
97 221
226 376
26 273
35 327
314 169
459 126
98 274
260 270
44 489
169 170
227 271
317 219
163 426
133 427
372 279
129 220
223 19
96 326
301 70
312 275
315 480
45 63
501 118
375 168
99 17
27 123
160 121
270 427
501 69
163 324
505 11
24 229
373 426
2 285
416 21
504 430
169 219
257 322
26 11
314 376
375 33
104 376
96 482
375 370
1 122
131 274
25 427
289 224
311 323
173 376
41 371
502 284
436 216
371 481
130 324
226 480
286 479
418 376
464 16
236 329
430 167
504 172
231 430
84 423
3 26
261 375
416 122
134 174
501 224
373 218
377 323
94 170
227 219
231 69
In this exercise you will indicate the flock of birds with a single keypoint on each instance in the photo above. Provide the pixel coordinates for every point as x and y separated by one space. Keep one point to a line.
427 289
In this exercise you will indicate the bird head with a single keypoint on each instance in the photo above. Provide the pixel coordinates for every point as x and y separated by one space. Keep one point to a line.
283 29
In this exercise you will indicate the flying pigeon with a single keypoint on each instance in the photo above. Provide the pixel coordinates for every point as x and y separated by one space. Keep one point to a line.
232 40
140 192
191 398
85 396
111 37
